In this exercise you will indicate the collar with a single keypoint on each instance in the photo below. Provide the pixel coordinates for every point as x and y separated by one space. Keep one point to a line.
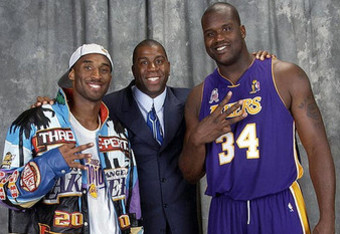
65 94
146 102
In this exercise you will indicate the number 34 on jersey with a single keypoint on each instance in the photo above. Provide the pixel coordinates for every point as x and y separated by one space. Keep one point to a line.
246 140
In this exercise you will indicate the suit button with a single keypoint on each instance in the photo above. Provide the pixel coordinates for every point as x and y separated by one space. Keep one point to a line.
165 205
163 180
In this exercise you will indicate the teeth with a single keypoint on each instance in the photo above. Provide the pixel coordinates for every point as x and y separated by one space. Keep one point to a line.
221 48
153 78
95 86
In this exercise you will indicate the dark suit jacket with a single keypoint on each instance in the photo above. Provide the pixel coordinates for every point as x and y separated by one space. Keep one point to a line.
165 195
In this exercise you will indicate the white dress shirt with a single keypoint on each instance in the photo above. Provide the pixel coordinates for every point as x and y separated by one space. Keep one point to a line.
145 103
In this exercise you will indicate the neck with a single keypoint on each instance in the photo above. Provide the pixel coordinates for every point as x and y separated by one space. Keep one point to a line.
235 70
86 114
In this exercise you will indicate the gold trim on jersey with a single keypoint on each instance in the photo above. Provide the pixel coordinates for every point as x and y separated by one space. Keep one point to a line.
233 85
300 204
275 86
299 167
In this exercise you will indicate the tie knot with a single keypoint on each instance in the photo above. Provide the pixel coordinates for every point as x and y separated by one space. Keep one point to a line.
152 113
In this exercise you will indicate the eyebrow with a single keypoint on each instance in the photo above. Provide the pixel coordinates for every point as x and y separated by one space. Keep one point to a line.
158 56
90 61
223 25
161 56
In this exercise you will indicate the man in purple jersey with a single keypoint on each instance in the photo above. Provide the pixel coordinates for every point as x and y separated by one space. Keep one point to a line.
241 133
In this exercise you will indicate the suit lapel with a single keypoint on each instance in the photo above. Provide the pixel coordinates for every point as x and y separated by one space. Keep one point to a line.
133 119
173 115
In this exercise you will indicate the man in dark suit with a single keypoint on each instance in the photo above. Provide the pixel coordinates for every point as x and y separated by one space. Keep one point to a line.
168 201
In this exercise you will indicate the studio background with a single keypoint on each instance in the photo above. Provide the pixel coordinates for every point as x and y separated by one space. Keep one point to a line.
37 38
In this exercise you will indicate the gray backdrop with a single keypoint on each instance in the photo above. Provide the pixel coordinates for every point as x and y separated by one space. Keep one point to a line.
38 36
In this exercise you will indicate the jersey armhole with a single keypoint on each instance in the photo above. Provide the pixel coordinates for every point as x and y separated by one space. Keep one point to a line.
201 100
275 85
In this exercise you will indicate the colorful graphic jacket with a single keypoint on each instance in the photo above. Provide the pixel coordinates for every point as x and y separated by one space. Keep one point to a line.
43 193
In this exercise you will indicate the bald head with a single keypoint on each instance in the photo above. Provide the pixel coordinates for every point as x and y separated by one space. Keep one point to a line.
224 35
147 42
222 7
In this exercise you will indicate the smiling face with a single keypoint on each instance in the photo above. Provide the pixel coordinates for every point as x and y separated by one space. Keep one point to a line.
91 77
150 69
223 35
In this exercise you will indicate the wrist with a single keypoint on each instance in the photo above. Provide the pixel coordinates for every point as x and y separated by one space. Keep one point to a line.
195 140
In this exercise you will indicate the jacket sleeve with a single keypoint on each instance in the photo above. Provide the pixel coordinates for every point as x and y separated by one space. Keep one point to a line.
133 199
25 179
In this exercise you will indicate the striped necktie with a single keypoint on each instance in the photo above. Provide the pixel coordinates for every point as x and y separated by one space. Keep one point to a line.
153 122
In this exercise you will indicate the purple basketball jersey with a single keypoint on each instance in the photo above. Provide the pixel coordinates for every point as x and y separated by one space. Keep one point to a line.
259 156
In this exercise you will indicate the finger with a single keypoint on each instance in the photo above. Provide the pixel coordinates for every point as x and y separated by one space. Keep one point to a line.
40 99
220 108
48 100
263 55
67 147
226 99
254 54
230 109
80 156
83 147
270 55
72 149
44 100
258 54
67 150
73 160
233 108
236 119
37 104
77 165
225 114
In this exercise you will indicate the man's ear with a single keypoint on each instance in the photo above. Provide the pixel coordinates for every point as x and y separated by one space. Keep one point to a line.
133 71
243 31
71 74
